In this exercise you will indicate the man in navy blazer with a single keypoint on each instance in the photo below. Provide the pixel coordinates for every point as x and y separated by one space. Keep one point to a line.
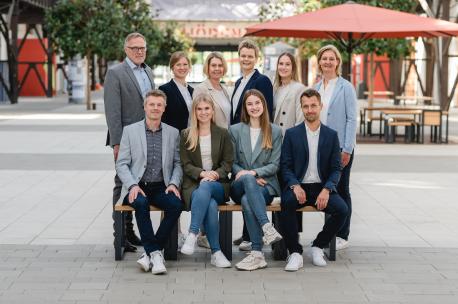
251 79
310 168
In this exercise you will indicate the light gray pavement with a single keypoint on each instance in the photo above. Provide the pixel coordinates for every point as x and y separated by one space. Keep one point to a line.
56 228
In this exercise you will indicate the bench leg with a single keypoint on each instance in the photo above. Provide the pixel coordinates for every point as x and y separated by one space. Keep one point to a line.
331 248
279 251
119 235
225 233
171 248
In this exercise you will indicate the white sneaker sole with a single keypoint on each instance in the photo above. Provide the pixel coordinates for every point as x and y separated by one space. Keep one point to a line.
159 271
261 266
221 266
271 241
187 251
294 269
142 266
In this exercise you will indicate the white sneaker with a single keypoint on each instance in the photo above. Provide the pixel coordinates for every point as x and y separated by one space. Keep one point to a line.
189 244
144 262
157 260
341 243
245 246
271 235
181 239
294 262
202 241
254 260
318 257
219 260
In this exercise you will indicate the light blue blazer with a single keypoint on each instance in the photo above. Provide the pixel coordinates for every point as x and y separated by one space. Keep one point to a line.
342 113
265 162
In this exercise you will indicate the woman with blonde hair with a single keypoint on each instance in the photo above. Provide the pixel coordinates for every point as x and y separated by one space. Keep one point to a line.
215 68
339 112
287 92
257 146
206 155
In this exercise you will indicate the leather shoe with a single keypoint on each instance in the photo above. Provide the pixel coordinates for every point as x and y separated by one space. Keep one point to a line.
128 247
133 239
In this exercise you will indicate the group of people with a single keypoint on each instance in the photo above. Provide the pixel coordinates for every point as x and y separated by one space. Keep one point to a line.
183 148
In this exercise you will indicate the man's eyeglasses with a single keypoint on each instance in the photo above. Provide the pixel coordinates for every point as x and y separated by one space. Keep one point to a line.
137 49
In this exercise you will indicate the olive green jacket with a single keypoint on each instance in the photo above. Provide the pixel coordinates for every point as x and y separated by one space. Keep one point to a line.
191 161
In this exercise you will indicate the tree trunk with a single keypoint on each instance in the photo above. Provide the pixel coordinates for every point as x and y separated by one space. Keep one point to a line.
395 76
88 81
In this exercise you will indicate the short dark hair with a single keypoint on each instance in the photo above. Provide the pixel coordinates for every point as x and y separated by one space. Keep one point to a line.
155 93
310 93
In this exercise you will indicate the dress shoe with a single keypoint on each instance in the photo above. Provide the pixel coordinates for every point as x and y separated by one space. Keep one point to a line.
128 247
133 238
238 241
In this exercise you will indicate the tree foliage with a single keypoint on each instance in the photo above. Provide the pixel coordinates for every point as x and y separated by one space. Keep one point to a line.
98 27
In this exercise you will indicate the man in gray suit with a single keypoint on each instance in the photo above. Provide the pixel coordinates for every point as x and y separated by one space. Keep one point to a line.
150 170
126 85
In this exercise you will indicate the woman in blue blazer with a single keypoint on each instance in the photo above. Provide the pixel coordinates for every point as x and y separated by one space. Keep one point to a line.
257 147
339 113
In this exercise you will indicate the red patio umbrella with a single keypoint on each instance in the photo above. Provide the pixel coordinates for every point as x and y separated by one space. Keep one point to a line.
352 23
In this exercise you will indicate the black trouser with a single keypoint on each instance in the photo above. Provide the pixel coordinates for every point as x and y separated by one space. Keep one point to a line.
343 188
336 208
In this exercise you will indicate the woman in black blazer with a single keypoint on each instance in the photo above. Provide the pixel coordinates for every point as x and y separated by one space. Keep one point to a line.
179 93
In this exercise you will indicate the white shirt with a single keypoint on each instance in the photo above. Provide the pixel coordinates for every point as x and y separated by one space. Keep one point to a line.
254 135
238 92
186 95
326 95
311 175
206 152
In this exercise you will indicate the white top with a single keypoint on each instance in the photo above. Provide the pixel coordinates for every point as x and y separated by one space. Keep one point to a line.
206 152
224 103
254 135
186 95
238 93
326 95
311 175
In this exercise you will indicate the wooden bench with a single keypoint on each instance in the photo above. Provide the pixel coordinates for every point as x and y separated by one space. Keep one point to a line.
225 232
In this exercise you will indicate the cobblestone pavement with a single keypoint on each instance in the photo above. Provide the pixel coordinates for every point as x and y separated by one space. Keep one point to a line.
56 228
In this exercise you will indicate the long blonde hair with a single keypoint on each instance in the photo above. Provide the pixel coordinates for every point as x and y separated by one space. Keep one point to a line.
192 138
266 128
294 73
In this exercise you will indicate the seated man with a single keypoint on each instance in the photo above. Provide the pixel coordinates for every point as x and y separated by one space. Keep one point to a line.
150 170
310 167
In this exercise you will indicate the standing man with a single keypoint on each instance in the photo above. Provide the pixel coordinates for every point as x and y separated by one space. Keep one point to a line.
311 168
150 170
126 85
251 79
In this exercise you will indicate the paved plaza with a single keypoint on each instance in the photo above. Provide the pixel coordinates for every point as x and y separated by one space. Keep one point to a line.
56 178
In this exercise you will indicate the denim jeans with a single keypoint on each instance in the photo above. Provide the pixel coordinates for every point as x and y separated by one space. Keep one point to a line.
343 188
254 199
204 210
168 202
336 208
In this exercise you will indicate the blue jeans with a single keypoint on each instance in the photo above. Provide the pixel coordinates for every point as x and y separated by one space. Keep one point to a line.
254 199
169 203
204 210
336 208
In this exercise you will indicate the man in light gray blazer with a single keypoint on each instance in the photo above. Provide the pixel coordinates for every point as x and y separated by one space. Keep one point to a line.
150 170
126 85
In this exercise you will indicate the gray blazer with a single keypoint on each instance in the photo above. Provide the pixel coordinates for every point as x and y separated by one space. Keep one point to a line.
288 111
206 87
131 163
342 113
123 100
266 163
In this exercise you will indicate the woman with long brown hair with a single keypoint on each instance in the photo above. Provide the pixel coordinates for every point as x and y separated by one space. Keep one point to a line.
257 145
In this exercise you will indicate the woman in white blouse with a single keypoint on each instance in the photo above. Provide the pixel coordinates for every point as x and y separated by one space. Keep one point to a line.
215 68
206 153
287 92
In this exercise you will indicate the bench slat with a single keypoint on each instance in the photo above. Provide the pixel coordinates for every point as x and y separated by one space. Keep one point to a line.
222 208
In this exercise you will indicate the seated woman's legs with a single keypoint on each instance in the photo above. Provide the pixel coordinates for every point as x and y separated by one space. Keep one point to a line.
211 225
